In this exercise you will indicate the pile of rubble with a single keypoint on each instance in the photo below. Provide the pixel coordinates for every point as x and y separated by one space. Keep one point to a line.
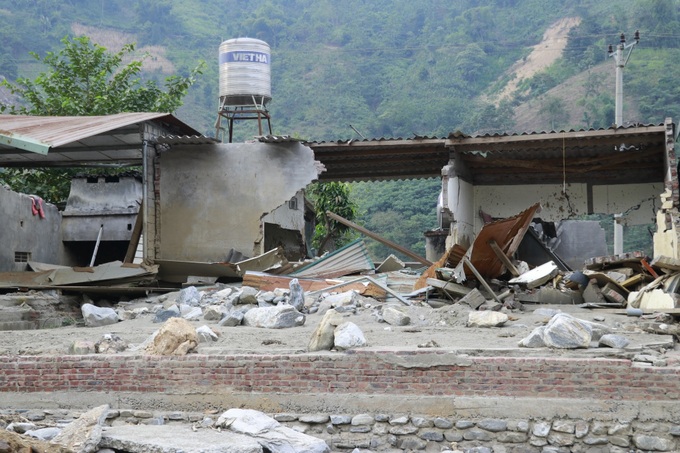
234 430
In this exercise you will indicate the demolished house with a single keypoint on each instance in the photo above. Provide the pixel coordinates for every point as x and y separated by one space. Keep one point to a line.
509 236
628 172
205 209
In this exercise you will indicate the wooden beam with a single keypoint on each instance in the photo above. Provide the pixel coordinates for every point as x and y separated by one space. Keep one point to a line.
136 234
504 258
380 239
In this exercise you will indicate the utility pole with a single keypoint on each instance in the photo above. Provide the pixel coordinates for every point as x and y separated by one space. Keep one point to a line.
620 64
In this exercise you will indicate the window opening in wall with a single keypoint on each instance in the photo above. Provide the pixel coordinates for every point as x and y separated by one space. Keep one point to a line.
293 204
111 179
92 180
22 257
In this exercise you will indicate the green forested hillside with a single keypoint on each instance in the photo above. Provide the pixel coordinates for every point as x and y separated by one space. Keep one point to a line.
390 68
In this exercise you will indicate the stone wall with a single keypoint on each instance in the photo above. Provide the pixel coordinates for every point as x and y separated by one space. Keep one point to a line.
385 431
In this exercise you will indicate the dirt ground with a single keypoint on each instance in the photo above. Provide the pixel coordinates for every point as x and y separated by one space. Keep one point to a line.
429 328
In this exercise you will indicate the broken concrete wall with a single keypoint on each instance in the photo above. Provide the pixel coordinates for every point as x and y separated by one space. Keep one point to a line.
26 236
286 227
458 207
212 197
505 201
111 201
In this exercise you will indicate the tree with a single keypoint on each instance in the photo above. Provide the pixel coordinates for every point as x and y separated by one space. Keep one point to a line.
333 197
84 79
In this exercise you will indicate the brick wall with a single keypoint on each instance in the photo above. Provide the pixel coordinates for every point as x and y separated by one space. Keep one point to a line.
364 372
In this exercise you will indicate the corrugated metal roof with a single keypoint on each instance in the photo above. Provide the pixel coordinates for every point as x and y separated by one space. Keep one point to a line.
624 155
186 140
76 140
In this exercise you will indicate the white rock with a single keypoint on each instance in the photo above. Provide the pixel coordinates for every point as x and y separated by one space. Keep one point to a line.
297 295
206 335
348 336
98 316
278 317
395 316
486 318
343 299
269 433
189 296
534 339
83 434
194 313
567 332
44 433
213 313
323 336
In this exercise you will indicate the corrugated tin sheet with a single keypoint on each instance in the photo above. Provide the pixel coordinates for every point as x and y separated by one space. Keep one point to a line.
350 259
76 140
186 140
61 130
624 155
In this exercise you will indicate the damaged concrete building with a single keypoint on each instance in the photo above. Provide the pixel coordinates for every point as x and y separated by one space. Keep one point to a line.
618 171
208 203
205 205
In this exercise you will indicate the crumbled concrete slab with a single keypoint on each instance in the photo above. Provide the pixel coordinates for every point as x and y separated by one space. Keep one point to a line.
175 438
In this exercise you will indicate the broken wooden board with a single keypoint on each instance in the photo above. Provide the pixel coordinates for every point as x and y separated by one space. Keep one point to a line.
537 276
666 264
269 282
449 287
451 258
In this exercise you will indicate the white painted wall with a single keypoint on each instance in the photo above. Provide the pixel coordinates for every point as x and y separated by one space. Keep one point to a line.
506 201
287 218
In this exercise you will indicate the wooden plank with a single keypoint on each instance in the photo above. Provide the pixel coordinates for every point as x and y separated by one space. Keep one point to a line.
449 287
378 238
136 234
504 258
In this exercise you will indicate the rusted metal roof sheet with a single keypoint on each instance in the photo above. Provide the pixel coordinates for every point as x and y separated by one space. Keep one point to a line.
30 141
507 234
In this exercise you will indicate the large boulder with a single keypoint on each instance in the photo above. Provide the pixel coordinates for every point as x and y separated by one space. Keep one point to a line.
83 434
98 316
564 331
176 337
323 337
348 336
269 433
278 317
